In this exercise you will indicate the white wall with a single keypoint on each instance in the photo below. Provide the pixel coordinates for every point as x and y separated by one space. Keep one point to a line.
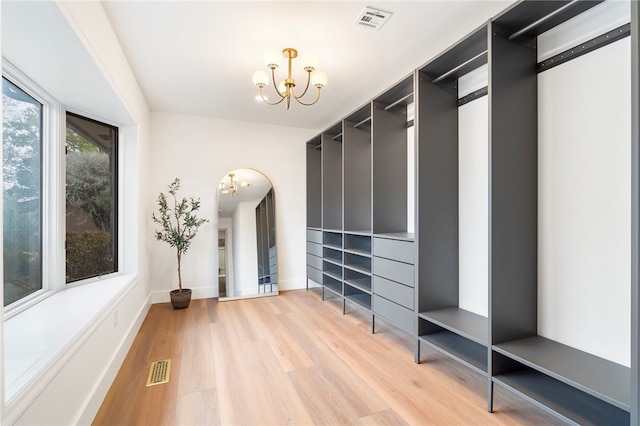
584 205
473 195
245 261
201 151
473 206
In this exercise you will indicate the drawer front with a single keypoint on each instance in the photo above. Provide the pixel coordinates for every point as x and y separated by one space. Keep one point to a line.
314 274
402 251
397 315
314 236
315 249
314 261
395 292
394 271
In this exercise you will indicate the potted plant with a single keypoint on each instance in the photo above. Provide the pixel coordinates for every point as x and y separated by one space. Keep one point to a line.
178 226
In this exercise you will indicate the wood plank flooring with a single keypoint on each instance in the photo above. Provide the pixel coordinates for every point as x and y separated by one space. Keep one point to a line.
293 359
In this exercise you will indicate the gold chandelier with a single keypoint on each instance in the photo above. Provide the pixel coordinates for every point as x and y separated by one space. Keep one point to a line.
285 89
233 185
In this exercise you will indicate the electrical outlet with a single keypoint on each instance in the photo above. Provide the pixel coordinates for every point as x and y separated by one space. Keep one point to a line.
115 319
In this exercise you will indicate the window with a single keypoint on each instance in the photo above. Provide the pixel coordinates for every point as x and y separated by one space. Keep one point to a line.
91 165
38 257
22 192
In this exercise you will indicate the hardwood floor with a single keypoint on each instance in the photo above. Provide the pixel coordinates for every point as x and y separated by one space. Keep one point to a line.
293 359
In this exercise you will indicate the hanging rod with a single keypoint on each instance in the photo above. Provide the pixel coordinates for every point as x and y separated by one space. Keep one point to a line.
543 19
360 123
339 135
388 107
451 71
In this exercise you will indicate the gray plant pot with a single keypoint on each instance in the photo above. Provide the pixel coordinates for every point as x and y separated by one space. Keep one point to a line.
180 300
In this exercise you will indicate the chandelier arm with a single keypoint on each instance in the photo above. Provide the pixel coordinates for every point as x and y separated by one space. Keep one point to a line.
266 101
309 104
305 88
275 85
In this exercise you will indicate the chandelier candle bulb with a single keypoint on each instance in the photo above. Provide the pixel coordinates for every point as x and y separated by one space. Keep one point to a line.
272 58
318 79
309 62
286 89
260 78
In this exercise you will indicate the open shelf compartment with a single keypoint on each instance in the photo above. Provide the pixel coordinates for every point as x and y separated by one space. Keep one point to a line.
357 263
358 297
332 239
463 350
358 280
571 402
467 324
332 284
588 373
357 244
333 255
459 334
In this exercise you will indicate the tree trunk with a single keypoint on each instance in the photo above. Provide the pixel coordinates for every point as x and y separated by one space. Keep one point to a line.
179 274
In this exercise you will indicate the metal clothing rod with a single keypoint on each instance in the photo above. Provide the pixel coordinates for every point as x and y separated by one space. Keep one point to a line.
543 19
339 135
451 71
360 123
388 107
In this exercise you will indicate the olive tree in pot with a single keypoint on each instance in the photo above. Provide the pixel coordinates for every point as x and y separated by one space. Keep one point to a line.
178 226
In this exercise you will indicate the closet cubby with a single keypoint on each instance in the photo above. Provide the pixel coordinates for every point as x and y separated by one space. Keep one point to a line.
389 159
357 269
357 244
442 323
357 171
332 178
314 183
575 385
314 212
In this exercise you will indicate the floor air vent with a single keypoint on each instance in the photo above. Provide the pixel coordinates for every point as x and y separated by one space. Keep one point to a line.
159 372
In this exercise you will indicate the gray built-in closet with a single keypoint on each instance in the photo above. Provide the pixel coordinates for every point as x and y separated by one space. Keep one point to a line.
487 204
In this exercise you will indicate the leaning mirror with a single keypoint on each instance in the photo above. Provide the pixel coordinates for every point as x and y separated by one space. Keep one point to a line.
247 261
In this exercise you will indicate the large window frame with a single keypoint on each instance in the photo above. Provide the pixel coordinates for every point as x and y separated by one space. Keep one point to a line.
113 153
54 195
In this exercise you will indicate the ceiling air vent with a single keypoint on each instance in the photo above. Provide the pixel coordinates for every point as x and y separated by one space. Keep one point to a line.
372 18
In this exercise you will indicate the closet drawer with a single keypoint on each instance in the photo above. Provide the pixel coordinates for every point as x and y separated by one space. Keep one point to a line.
314 236
315 249
395 271
402 251
397 315
393 291
314 261
314 274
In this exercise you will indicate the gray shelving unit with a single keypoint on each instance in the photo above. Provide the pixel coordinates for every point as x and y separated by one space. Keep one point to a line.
412 280
314 213
389 158
441 323
572 384
393 248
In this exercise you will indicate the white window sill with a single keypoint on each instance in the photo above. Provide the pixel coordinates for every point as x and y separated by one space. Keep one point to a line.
35 336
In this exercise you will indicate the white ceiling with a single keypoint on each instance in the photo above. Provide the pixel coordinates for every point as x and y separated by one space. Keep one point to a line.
198 57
